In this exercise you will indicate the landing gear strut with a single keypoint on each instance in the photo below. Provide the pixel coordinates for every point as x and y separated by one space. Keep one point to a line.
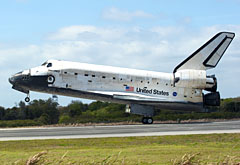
147 120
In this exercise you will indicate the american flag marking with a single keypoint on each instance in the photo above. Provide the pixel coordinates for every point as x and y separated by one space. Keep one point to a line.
129 88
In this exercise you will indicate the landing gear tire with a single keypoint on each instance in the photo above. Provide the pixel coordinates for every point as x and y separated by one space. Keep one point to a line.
27 99
144 120
150 120
147 120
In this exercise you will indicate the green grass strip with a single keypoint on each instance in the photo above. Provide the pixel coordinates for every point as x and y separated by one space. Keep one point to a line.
192 149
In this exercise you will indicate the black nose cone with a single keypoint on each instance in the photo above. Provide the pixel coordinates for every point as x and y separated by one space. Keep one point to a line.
11 80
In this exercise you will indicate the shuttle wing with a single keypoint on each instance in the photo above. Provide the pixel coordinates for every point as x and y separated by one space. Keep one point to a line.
130 96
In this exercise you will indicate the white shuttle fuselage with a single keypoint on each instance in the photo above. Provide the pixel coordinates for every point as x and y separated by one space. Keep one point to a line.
143 91
121 85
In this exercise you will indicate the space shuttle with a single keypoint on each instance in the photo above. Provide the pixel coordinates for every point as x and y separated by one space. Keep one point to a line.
187 88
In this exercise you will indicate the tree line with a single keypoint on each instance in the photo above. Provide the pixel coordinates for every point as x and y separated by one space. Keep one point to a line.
44 112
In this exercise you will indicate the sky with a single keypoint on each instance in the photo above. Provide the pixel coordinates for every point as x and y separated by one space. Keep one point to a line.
152 35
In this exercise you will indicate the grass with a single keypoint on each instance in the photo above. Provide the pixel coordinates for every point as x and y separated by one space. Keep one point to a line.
184 149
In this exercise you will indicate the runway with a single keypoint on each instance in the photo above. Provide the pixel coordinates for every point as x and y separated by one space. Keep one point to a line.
118 131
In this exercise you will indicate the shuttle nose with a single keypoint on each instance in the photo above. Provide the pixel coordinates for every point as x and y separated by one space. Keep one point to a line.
11 80
19 82
15 78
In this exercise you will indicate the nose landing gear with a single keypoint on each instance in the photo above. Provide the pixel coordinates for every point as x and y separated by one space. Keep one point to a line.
27 99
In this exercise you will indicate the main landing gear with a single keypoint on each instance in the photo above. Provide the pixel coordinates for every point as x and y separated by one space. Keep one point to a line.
144 110
147 120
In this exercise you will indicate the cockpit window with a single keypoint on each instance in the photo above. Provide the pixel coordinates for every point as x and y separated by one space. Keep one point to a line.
44 63
49 65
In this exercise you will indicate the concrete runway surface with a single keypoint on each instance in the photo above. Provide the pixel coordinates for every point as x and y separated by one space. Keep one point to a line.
118 131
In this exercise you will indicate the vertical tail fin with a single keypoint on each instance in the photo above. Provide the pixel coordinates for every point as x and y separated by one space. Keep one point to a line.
208 55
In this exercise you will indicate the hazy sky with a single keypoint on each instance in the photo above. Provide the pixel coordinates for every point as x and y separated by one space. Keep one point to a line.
144 34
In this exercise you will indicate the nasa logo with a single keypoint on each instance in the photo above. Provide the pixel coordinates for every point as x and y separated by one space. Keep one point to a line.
174 94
